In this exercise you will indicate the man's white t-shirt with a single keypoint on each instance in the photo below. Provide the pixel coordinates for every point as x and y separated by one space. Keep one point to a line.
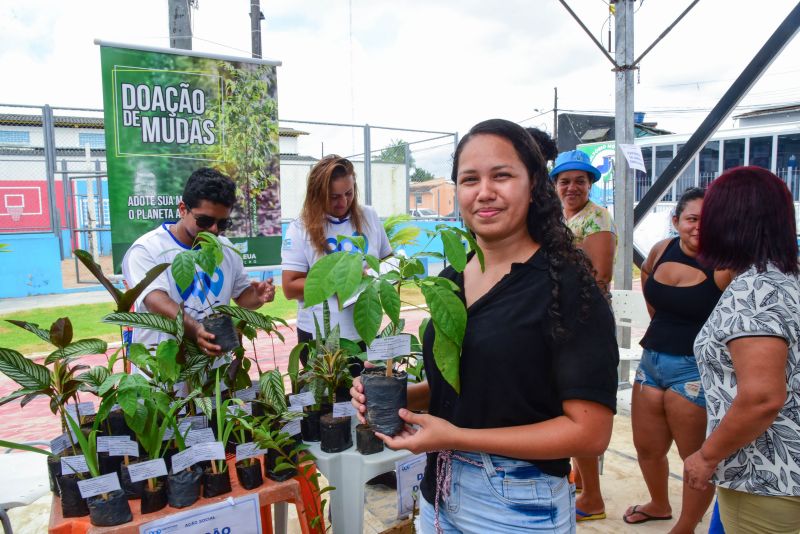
160 246
298 254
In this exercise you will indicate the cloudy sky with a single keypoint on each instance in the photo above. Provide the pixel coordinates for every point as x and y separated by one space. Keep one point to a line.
422 64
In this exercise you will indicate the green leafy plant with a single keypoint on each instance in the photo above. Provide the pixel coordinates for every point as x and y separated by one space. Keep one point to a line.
342 274
60 384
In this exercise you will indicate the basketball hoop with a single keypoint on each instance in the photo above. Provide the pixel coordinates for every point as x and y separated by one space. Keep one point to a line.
15 212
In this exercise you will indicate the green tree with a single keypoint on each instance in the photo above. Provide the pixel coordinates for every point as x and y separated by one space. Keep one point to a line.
395 153
421 175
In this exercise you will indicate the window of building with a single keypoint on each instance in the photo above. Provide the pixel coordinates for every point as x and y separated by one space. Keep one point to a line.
709 163
733 153
761 152
664 155
16 137
686 179
94 140
418 199
644 180
786 166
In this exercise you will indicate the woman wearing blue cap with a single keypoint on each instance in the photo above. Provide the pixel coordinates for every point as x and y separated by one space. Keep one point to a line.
595 234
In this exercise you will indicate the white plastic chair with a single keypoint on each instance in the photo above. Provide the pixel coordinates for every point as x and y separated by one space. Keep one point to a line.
630 311
24 480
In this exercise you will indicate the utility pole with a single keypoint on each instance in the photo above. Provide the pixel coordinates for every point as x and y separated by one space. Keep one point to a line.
623 127
255 27
180 24
555 115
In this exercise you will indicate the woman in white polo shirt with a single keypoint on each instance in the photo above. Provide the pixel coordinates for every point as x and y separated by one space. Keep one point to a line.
330 210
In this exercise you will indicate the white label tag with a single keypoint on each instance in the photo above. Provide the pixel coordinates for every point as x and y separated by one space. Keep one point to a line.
246 408
74 464
123 448
85 408
197 421
204 435
409 475
219 362
214 450
240 515
248 394
104 441
292 427
343 409
248 450
302 399
150 469
97 485
59 444
183 459
389 347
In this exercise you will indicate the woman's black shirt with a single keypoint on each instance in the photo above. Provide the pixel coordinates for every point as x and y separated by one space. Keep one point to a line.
512 372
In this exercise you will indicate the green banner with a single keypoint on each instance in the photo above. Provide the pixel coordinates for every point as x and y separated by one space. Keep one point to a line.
168 114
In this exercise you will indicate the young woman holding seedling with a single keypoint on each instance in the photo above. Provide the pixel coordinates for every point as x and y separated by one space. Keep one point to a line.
538 364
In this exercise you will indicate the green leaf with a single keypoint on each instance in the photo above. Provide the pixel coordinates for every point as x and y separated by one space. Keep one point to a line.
183 269
150 321
318 287
94 378
78 348
88 261
33 328
128 298
22 447
443 282
473 245
128 401
412 267
367 314
447 311
179 326
194 365
454 250
19 393
272 391
390 300
204 405
23 371
166 356
206 260
346 276
294 364
140 356
61 332
252 318
373 262
447 355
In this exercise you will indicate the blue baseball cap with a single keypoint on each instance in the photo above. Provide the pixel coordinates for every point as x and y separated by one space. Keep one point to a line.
574 160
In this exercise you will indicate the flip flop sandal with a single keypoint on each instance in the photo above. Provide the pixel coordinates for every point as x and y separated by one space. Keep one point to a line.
647 517
583 516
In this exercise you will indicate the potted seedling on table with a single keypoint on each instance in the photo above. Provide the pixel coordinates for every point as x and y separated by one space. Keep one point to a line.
58 382
379 293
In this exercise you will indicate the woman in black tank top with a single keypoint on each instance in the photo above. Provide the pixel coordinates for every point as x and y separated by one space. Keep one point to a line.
668 402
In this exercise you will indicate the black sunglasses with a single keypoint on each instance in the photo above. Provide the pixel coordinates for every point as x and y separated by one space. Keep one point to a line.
207 221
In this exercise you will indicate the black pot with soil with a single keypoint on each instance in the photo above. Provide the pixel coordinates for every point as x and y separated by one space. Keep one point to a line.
154 499
53 472
249 473
216 483
271 465
385 396
366 442
335 433
183 488
109 509
133 490
309 425
108 464
117 425
72 504
224 332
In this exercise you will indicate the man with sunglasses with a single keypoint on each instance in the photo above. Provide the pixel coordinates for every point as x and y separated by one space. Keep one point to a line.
208 198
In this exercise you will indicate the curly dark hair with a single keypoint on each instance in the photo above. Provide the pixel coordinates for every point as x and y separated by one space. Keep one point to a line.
545 221
545 143
209 184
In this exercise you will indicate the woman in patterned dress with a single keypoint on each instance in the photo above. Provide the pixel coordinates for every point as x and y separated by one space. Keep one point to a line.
595 234
748 353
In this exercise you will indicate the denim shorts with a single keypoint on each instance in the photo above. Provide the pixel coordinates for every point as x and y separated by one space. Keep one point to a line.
669 371
502 495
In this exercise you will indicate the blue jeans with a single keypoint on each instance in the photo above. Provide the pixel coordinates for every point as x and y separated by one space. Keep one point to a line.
669 371
502 495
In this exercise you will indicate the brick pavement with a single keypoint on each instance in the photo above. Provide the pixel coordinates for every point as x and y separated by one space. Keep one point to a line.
36 421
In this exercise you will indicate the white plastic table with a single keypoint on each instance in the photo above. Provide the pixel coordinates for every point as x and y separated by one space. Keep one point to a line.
348 471
25 479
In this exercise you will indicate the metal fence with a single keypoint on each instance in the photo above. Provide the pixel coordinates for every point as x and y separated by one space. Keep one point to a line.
53 175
